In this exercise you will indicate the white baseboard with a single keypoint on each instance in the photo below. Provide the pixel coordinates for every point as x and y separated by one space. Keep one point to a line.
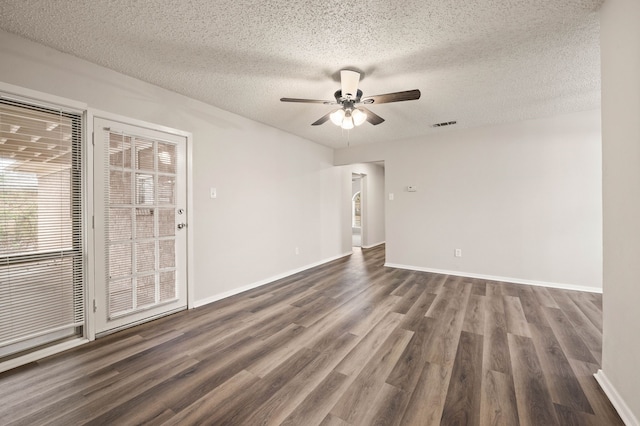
373 245
497 278
618 403
42 353
260 283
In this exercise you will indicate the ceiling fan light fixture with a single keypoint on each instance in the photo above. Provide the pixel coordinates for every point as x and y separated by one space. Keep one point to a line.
347 123
358 116
337 116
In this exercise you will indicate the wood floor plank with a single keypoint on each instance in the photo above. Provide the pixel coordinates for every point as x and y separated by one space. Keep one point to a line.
544 297
407 283
332 420
496 354
427 400
387 409
444 341
462 405
498 405
435 283
531 307
571 343
316 310
478 287
532 391
409 298
413 317
563 384
443 298
267 362
316 405
357 358
80 409
238 410
516 319
571 417
200 410
584 303
39 379
363 391
403 376
350 342
474 316
284 400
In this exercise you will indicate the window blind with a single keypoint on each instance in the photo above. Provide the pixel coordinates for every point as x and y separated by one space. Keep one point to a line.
41 256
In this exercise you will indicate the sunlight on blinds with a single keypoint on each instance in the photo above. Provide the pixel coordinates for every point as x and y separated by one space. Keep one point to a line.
41 288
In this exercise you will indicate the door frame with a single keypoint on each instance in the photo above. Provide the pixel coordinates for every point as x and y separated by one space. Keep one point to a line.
93 113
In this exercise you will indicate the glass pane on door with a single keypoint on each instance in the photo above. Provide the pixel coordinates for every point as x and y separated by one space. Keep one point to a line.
140 231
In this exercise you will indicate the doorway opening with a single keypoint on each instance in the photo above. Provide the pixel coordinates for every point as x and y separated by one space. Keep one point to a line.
357 204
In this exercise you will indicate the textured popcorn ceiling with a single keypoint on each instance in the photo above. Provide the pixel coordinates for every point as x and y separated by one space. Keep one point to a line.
478 62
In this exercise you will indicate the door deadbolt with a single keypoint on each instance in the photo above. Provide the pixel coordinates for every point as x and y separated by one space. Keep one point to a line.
180 211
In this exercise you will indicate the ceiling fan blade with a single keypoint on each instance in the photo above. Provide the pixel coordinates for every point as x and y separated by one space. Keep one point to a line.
372 117
349 83
408 95
307 101
322 119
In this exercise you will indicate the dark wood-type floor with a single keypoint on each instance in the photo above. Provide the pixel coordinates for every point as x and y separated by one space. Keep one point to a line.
346 343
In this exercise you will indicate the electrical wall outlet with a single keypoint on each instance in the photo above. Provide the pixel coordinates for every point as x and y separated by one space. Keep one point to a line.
297 250
457 253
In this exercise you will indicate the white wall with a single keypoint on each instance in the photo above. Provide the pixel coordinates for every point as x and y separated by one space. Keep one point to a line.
276 191
373 221
522 200
620 50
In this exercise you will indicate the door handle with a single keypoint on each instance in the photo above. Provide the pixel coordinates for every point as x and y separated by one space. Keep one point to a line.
182 225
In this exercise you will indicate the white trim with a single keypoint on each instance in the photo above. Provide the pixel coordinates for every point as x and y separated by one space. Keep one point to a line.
191 269
224 295
42 353
88 205
139 123
139 322
621 407
497 278
40 97
373 245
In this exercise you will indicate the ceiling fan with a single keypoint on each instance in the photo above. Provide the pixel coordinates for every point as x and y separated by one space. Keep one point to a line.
351 112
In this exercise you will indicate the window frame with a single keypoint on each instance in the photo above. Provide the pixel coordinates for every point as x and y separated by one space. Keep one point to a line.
84 224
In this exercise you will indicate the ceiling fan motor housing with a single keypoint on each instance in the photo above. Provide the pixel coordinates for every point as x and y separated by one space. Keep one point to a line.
341 99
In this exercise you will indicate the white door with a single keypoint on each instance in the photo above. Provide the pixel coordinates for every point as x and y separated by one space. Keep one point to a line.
140 221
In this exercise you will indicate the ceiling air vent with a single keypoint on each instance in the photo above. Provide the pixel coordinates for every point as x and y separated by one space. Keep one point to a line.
446 123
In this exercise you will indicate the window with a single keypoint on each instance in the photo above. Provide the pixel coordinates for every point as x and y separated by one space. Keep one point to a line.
41 263
356 214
